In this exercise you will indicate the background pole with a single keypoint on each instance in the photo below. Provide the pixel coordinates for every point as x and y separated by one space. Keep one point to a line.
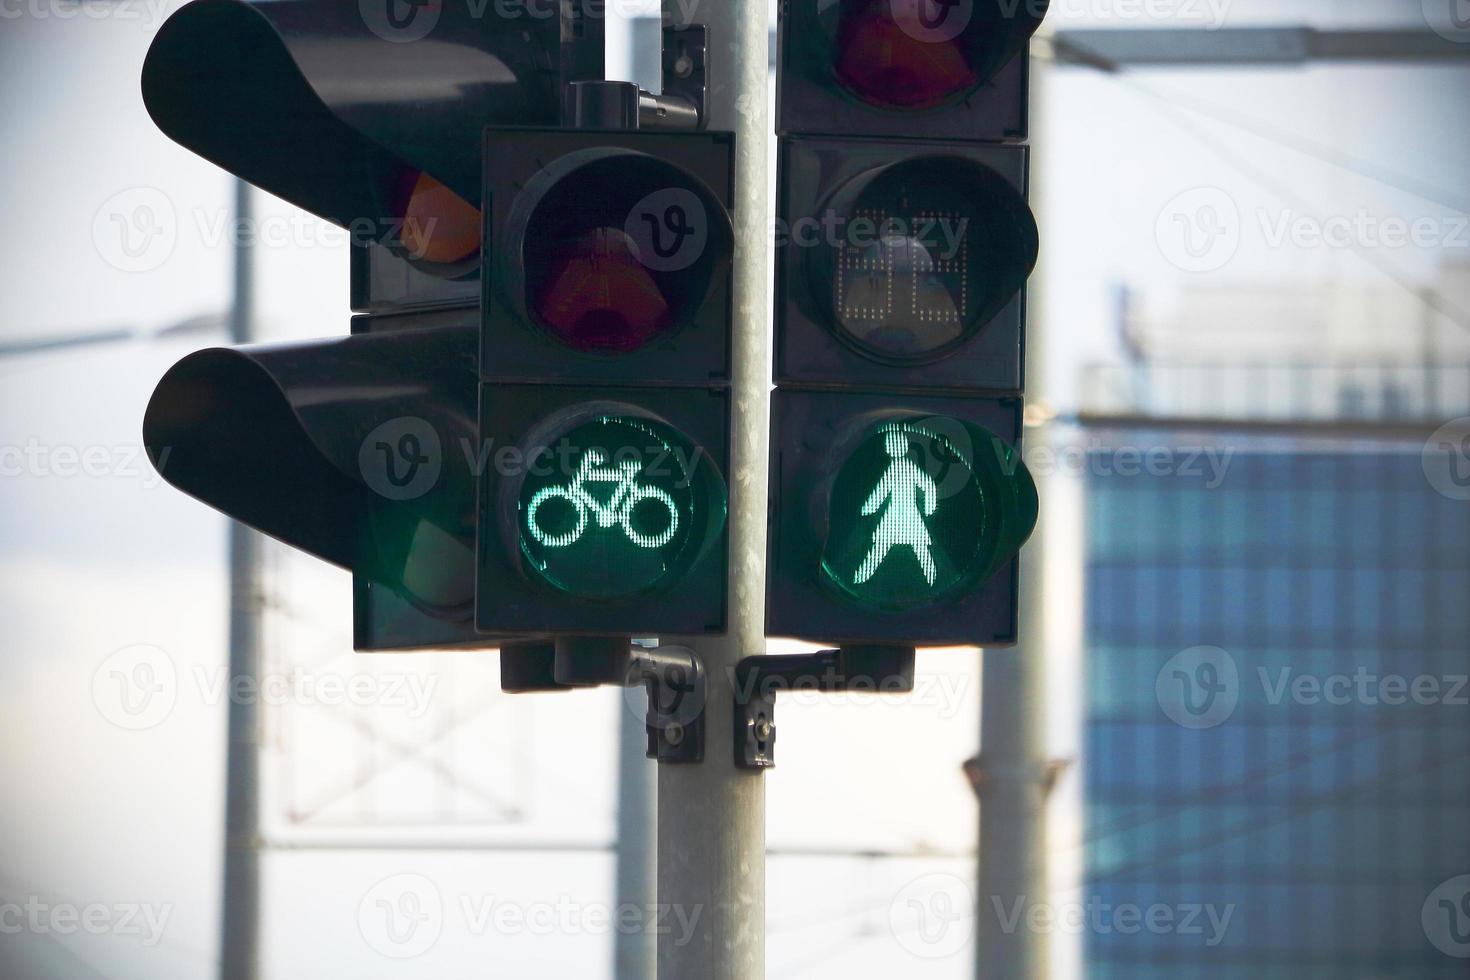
711 817
240 927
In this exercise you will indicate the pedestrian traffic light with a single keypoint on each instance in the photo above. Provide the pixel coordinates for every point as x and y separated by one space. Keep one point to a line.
361 450
605 367
899 497
902 264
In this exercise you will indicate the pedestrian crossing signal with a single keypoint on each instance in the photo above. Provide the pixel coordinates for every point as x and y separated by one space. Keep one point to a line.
922 509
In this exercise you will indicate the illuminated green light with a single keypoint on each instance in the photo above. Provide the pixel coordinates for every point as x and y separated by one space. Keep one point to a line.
923 509
618 506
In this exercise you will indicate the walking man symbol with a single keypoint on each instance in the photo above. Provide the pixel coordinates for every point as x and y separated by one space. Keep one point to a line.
903 522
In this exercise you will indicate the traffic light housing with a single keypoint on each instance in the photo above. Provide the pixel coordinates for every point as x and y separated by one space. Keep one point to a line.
899 495
608 256
898 518
943 69
359 450
948 229
605 370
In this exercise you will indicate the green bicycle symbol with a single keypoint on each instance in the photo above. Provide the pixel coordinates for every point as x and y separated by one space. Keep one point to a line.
627 495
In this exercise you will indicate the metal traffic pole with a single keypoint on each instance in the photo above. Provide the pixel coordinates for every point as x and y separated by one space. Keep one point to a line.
1014 773
711 816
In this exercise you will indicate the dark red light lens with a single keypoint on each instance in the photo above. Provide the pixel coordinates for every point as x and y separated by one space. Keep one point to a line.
890 53
599 297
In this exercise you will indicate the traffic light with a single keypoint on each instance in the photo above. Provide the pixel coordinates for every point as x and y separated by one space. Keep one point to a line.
942 69
360 450
899 496
605 370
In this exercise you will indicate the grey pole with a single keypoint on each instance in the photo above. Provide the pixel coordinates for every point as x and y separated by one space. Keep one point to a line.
634 952
711 817
1014 770
240 938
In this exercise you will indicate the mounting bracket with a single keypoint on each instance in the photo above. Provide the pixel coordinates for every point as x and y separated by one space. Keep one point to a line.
600 104
876 669
672 676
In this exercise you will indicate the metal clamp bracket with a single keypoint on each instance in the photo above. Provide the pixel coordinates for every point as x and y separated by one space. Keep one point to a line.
672 675
597 104
877 669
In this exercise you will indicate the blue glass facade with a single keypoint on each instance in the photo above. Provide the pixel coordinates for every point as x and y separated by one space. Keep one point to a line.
1309 774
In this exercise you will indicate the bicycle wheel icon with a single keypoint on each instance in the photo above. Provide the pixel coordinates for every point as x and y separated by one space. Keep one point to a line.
637 496
567 538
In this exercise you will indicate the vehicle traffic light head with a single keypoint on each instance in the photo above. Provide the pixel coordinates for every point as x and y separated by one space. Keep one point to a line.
283 439
896 515
903 265
907 67
369 115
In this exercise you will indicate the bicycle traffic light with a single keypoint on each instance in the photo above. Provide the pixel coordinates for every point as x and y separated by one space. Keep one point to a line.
359 450
605 370
899 496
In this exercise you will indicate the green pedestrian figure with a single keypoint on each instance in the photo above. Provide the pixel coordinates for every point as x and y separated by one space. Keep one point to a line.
903 522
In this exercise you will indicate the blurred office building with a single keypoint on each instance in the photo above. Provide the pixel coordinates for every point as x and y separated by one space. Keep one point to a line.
1276 636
